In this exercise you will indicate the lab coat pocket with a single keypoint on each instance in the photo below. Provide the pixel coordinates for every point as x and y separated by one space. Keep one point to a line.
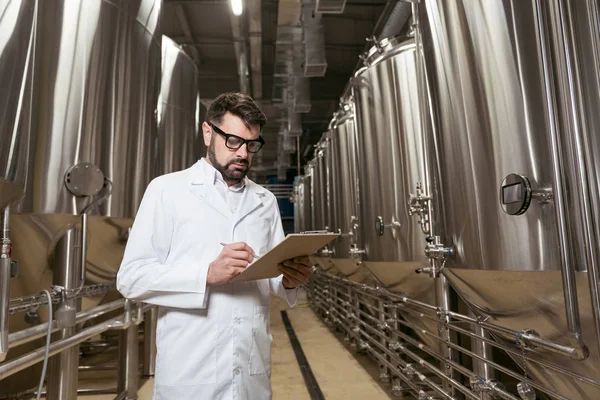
187 350
260 353
258 234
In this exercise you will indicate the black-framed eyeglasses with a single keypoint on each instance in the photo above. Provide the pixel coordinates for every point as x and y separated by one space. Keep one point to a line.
234 142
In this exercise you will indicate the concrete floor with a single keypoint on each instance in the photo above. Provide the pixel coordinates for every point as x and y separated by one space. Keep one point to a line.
337 372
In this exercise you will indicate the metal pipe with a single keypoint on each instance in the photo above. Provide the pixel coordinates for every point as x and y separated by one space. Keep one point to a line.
27 335
490 342
524 336
472 355
422 362
442 294
84 235
487 340
150 320
128 352
568 271
497 390
27 303
381 344
580 132
62 369
482 349
18 364
5 253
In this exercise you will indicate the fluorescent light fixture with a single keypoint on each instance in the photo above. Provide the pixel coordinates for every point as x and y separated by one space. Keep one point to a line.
236 7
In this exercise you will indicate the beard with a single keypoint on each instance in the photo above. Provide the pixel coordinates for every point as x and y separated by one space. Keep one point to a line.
231 173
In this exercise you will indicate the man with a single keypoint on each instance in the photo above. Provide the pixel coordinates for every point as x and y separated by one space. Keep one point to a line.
213 339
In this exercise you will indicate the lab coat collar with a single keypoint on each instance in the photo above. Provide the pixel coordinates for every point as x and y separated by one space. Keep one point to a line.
202 176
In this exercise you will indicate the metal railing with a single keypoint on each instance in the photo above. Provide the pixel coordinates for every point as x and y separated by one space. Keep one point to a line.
132 314
413 364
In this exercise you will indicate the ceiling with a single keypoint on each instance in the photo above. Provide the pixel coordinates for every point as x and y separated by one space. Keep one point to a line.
217 40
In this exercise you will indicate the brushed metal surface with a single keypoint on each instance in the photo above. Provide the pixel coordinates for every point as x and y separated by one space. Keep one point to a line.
97 78
526 299
390 154
16 47
319 190
343 181
485 75
35 238
500 87
302 204
177 110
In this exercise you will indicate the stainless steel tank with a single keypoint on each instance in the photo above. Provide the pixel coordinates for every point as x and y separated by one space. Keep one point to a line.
320 199
17 20
302 203
514 88
319 187
93 135
178 112
391 165
343 187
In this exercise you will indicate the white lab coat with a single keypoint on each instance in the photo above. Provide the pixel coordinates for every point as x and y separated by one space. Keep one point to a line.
212 343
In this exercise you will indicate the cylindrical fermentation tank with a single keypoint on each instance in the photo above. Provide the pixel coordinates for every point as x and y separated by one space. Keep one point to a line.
96 79
390 166
301 203
318 190
178 113
343 188
515 97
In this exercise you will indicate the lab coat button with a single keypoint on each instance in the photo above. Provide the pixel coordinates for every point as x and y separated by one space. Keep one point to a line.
236 371
238 320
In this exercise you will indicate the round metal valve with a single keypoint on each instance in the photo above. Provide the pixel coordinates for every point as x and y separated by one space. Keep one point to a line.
515 194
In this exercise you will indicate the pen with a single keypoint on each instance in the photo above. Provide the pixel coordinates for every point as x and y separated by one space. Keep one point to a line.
255 256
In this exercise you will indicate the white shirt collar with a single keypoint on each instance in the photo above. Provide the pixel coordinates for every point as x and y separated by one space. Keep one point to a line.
217 178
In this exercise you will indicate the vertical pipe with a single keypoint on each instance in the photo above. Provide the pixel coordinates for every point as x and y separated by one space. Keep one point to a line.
584 162
397 387
150 320
384 371
567 270
64 367
482 349
84 228
442 289
5 251
128 362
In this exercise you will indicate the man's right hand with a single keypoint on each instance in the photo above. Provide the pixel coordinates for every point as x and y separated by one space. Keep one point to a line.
232 261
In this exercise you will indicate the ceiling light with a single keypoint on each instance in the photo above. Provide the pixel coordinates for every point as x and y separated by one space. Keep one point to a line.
236 7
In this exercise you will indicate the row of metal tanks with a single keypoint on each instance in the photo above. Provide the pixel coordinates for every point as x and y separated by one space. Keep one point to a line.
464 161
95 102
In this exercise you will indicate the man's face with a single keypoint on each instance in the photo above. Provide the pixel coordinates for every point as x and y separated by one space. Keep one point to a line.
232 164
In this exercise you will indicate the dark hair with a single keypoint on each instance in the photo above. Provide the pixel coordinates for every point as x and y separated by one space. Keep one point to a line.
239 104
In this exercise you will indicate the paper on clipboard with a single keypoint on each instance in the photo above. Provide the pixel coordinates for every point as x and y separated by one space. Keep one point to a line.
294 245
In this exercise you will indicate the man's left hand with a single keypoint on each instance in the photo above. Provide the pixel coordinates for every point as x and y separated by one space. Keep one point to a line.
296 271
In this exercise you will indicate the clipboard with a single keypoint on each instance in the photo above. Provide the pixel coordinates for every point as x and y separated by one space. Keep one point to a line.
294 245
